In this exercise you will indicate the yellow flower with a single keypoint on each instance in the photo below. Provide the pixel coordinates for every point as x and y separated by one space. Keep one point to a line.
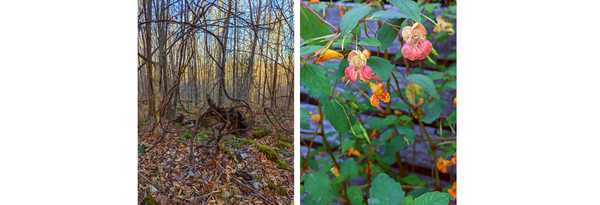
445 26
442 164
328 55
313 1
378 94
315 118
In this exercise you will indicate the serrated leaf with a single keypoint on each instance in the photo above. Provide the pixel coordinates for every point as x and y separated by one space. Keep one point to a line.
335 114
387 34
385 190
432 111
408 132
396 145
355 195
340 72
433 198
318 187
418 192
314 77
387 15
409 8
351 18
347 144
337 180
369 42
426 83
309 49
381 67
303 116
389 120
311 26
349 169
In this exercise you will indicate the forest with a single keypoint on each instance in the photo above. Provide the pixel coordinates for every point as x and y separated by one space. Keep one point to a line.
215 105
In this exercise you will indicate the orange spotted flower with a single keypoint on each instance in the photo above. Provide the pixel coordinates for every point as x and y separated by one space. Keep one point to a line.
328 55
313 1
315 118
342 12
378 94
353 152
417 47
452 191
442 164
453 160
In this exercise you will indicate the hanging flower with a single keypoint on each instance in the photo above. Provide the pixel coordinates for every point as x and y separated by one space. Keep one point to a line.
335 171
353 152
358 67
442 164
342 12
445 26
373 134
453 160
454 101
378 94
417 47
313 1
328 55
315 117
452 191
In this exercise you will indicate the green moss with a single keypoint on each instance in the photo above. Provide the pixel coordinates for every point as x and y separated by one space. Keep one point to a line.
249 142
271 186
261 133
282 145
225 149
278 150
239 158
281 191
283 164
149 200
258 179
237 146
271 155
285 139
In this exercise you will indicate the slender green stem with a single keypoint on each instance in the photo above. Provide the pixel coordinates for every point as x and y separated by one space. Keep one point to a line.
437 177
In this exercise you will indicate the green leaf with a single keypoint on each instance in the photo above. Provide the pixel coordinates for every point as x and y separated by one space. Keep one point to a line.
396 145
336 115
411 179
381 67
340 72
435 76
338 180
428 8
432 111
433 198
309 49
389 120
347 144
301 189
386 134
409 8
385 190
355 195
311 26
314 77
318 187
407 201
303 116
425 83
418 192
387 34
376 170
405 118
349 169
388 15
369 42
351 18
408 132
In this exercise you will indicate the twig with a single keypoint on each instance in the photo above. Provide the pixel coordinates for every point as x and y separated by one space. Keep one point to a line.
240 183
150 182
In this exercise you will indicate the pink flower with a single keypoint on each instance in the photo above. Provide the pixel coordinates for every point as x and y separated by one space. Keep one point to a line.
358 67
417 47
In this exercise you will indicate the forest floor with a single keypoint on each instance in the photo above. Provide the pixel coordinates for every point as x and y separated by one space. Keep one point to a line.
243 171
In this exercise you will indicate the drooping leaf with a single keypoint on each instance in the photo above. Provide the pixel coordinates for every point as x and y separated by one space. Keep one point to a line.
385 190
432 111
433 198
387 15
311 26
381 67
336 115
408 8
314 77
387 34
303 116
369 42
351 18
426 83
355 195
412 91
